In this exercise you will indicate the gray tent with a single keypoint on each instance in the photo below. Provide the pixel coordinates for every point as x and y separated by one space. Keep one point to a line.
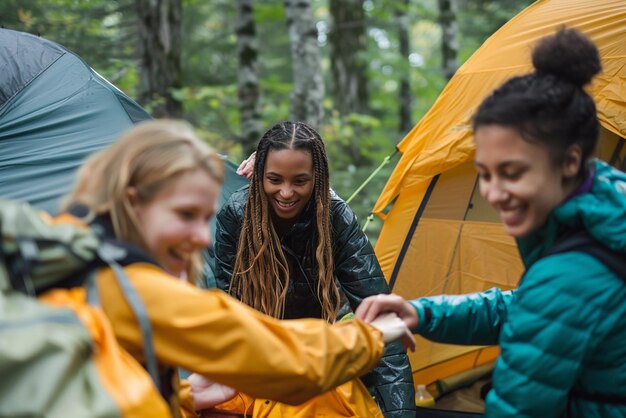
55 111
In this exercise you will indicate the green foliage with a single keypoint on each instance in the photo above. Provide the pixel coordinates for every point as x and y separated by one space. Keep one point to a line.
104 34
354 139
347 179
274 107
211 110
99 31
479 19
209 43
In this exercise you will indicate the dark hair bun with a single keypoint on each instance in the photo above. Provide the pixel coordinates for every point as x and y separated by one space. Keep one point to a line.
568 54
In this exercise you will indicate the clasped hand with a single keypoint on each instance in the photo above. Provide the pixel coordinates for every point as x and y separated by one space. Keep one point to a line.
392 315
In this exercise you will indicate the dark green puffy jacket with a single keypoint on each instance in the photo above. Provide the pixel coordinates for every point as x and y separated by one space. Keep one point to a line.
358 275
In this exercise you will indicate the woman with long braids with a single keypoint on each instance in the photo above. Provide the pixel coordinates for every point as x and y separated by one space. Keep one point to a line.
289 247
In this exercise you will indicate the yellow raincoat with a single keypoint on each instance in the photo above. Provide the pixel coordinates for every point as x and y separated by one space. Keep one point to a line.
349 400
210 333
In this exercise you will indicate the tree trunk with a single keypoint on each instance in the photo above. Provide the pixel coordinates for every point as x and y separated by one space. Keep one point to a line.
160 35
348 44
449 37
404 92
308 84
248 77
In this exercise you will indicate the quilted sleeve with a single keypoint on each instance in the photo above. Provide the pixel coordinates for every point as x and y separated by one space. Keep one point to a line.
471 319
227 230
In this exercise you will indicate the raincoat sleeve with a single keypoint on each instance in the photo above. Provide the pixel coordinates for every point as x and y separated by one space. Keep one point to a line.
563 312
210 333
472 319
360 276
187 409
227 229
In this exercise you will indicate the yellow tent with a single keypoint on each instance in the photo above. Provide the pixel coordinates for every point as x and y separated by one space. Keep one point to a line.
439 235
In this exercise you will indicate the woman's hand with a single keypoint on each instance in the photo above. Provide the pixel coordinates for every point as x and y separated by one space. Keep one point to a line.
373 307
246 168
207 394
394 329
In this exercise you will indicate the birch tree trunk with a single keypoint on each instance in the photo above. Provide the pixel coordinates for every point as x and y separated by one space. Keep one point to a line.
308 84
404 93
449 37
160 35
348 44
248 77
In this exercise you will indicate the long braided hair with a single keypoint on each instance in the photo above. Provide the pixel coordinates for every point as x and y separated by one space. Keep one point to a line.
261 272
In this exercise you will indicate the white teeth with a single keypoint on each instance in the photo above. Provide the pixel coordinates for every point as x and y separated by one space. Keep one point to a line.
285 205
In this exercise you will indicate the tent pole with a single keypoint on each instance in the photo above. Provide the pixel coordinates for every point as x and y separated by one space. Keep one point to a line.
371 176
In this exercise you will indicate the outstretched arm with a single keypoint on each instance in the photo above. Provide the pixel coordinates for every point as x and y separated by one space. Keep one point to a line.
210 333
472 319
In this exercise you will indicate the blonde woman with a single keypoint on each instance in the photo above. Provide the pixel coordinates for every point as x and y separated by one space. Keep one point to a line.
156 189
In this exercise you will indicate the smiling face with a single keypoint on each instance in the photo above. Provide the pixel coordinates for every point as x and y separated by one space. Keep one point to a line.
175 223
519 179
288 182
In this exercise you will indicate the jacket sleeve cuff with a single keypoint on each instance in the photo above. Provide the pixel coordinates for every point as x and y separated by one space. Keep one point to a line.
185 397
423 315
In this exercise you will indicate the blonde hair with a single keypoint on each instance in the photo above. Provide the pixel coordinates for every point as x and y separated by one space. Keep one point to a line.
147 158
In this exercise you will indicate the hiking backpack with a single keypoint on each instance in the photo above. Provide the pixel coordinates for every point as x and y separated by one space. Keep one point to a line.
58 354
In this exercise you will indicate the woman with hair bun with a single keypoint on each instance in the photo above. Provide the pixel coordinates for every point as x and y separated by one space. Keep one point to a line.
562 331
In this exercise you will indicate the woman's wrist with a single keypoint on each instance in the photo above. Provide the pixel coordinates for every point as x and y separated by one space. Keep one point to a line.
424 314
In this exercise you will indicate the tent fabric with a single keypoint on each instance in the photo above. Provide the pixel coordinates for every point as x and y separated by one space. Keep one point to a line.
54 112
440 236
442 139
22 58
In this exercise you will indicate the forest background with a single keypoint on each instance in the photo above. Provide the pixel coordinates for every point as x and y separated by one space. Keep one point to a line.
362 72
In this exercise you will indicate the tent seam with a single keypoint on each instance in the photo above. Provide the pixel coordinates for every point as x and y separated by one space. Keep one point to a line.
407 240
43 70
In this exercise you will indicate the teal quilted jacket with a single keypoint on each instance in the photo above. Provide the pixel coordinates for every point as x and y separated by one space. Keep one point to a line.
564 328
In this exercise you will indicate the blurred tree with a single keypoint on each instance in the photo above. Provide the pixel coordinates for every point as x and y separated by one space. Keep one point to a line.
160 43
348 44
404 90
478 19
308 83
449 35
209 68
248 90
101 32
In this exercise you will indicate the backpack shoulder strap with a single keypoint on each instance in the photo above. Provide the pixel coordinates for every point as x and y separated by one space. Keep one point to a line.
111 255
581 240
